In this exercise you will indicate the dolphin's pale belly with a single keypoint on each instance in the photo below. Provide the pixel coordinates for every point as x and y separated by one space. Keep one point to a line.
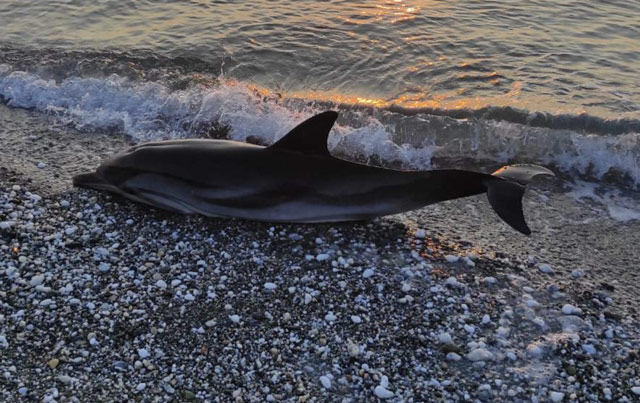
278 203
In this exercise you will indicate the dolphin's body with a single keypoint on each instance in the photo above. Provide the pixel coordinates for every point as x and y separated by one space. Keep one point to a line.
294 180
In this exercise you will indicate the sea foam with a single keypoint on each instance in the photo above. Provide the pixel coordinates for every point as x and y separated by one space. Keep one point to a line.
151 110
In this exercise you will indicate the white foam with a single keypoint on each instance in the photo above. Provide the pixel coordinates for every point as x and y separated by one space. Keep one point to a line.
152 110
618 207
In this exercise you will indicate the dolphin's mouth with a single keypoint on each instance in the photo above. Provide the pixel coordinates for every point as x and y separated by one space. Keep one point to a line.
90 180
94 181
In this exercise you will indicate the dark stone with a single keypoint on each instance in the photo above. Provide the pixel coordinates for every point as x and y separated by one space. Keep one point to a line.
449 348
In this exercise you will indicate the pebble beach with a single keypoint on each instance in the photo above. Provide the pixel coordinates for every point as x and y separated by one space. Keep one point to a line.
102 299
106 300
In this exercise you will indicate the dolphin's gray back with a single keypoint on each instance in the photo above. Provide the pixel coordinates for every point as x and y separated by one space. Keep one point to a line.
217 177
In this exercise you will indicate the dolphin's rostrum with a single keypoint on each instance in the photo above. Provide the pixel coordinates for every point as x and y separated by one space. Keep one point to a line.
294 180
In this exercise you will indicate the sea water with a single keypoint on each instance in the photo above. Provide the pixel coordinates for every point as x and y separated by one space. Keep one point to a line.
419 84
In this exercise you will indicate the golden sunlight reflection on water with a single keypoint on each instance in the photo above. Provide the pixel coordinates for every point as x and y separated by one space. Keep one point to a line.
536 54
451 100
383 12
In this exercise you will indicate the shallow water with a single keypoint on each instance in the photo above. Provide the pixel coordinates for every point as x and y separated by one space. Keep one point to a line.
568 57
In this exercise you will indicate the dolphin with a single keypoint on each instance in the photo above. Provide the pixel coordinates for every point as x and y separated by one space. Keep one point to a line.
294 180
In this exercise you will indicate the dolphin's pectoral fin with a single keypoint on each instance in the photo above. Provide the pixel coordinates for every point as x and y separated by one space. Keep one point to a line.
310 136
506 188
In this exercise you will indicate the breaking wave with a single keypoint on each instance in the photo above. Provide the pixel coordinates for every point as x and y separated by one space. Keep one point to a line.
201 106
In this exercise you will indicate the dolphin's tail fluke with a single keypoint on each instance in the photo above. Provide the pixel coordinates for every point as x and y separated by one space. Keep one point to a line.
506 189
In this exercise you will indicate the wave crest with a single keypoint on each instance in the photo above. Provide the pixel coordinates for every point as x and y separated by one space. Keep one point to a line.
415 139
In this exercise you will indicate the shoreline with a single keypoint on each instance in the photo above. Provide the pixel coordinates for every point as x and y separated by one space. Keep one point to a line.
106 299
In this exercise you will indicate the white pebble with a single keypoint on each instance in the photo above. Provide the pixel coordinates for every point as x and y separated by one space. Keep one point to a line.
407 298
486 319
572 324
234 318
356 319
452 282
535 349
101 251
382 392
325 381
330 317
556 396
143 353
502 332
451 258
46 302
589 349
161 284
141 386
322 257
480 354
70 230
545 268
539 321
36 280
420 234
66 379
270 286
368 273
41 165
577 273
569 309
636 390
353 349
445 338
532 303
104 267
453 357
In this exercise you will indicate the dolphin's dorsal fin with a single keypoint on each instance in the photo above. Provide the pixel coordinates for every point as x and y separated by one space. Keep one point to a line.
310 136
